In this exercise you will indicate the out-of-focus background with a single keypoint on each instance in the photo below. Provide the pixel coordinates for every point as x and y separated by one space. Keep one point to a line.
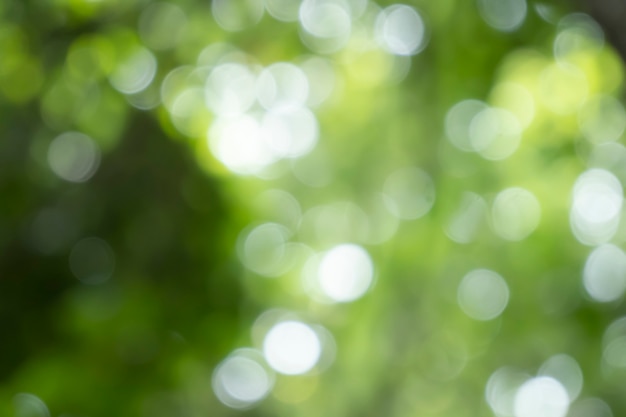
312 208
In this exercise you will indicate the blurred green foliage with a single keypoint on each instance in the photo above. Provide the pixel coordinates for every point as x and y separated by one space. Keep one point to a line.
166 206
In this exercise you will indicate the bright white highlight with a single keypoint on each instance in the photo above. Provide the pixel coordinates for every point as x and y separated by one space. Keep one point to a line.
241 380
409 193
503 15
604 275
501 389
566 370
290 133
401 31
230 89
483 294
541 397
74 156
135 73
345 272
292 348
238 143
596 206
516 213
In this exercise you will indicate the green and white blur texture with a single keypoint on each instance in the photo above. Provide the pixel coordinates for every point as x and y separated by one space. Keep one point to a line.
428 200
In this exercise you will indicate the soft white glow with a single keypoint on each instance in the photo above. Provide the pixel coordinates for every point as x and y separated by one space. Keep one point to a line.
290 133
577 32
542 396
241 380
237 15
292 347
516 213
135 73
501 389
322 79
590 407
92 261
458 121
29 405
614 344
602 119
282 86
596 207
161 25
326 24
483 294
495 133
74 156
409 193
264 249
401 31
467 220
230 89
604 275
345 272
238 143
285 10
566 370
503 15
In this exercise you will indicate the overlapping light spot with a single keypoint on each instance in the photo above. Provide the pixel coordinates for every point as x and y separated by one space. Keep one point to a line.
265 250
290 133
238 142
501 389
542 396
503 15
566 370
292 347
602 119
515 213
483 294
578 32
401 30
468 218
237 15
596 206
321 79
590 407
409 193
282 86
326 24
345 272
161 25
284 10
134 73
614 344
458 121
604 275
230 89
495 133
73 156
92 261
242 379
